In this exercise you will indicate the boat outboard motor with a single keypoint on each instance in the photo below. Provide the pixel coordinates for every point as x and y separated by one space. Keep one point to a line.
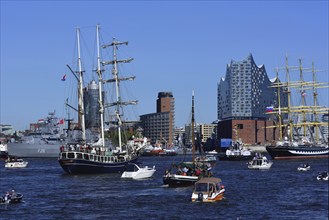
200 196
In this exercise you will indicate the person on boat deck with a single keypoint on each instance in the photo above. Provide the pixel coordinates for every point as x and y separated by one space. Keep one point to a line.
179 170
71 148
211 190
7 196
93 151
12 193
189 172
109 153
185 170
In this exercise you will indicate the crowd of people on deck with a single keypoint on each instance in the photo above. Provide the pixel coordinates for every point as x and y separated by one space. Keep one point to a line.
189 171
87 149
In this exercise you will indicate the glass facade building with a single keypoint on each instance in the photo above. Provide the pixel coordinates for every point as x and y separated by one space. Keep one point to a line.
245 92
91 106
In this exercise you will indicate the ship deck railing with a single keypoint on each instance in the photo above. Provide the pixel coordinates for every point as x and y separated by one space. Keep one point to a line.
93 157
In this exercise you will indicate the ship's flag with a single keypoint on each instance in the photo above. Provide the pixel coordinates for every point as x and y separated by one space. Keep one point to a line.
41 121
269 109
61 122
64 77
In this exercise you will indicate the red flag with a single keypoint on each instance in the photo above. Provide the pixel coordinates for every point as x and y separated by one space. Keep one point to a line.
61 122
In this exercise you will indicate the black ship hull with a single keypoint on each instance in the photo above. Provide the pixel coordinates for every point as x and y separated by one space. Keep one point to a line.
234 157
298 152
95 165
3 155
176 181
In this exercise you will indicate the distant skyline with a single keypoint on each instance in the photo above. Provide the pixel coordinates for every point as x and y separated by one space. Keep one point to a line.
177 47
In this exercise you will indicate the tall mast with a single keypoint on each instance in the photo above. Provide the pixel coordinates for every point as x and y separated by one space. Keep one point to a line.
117 81
301 110
315 104
192 129
100 88
80 96
118 97
303 93
289 101
279 106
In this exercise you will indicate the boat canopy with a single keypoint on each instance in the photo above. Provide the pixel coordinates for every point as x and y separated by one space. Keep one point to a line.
210 180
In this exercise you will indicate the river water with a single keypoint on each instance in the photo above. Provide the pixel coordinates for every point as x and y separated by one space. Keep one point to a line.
279 193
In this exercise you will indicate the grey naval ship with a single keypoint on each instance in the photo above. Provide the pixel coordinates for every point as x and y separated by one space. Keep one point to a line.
45 140
47 137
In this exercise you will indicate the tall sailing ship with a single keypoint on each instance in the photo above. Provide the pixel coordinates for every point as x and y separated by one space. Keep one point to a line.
92 158
300 130
187 173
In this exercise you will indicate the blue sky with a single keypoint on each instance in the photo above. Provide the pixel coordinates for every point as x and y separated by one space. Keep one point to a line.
177 46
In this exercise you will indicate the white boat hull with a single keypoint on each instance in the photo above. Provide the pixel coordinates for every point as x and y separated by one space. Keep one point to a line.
303 168
141 173
16 164
260 167
260 163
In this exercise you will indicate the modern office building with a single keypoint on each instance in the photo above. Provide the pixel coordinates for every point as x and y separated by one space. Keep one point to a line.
207 131
201 131
245 92
91 106
242 98
159 126
156 127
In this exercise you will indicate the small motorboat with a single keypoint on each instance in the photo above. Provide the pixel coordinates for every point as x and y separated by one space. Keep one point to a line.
323 176
236 152
304 167
213 152
206 159
14 162
138 172
260 163
208 189
186 174
11 197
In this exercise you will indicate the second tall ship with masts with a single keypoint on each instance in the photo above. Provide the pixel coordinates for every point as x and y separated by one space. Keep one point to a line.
91 158
300 131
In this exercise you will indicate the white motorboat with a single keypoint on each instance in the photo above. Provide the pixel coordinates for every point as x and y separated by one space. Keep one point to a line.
323 176
139 172
260 163
15 163
213 152
210 160
304 167
236 151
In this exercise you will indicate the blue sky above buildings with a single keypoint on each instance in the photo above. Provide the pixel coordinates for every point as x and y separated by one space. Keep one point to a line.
177 46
